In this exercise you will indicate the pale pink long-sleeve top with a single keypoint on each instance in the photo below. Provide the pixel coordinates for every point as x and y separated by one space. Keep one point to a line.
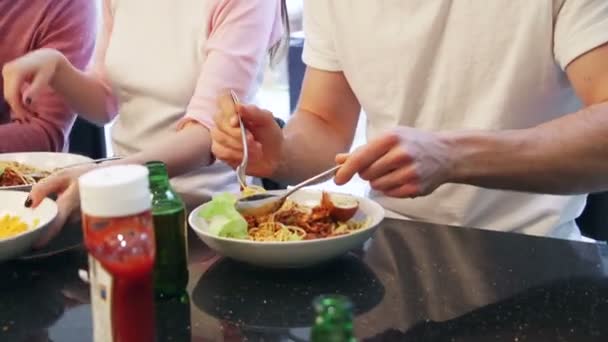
65 25
165 62
239 35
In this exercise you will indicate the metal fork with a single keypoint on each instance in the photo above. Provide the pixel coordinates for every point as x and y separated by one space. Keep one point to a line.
94 161
241 170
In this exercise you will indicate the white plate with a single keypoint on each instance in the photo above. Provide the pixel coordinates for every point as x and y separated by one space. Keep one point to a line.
292 253
43 160
11 202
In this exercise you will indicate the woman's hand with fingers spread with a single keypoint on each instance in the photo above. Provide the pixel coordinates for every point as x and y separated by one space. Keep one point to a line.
406 162
25 77
264 137
65 185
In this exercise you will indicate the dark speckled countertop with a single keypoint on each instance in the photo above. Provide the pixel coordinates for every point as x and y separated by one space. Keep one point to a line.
411 282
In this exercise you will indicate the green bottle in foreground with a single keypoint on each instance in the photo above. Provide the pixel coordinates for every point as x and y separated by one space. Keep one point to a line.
334 320
169 213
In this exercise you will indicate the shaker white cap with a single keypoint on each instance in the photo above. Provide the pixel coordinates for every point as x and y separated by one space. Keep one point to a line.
115 191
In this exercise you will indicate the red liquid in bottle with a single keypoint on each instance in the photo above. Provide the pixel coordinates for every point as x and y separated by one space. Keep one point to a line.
125 248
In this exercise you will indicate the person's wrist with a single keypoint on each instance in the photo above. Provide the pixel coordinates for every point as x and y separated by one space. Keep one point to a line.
61 66
476 155
272 180
275 172
460 146
276 166
273 177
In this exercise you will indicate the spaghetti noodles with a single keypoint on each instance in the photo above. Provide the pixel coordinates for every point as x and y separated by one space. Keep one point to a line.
251 190
293 222
15 173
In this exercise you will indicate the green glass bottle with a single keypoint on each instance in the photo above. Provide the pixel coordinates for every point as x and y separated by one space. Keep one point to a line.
169 213
334 320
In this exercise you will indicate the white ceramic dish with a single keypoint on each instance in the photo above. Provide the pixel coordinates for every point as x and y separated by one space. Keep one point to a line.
293 253
11 202
42 160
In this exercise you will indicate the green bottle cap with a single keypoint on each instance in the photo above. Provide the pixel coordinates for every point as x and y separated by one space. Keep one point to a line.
334 321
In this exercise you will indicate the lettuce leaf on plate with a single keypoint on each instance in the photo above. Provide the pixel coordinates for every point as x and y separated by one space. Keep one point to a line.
223 218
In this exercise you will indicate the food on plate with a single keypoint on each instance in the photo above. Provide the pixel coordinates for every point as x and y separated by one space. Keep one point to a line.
251 190
292 222
14 173
341 208
11 225
223 218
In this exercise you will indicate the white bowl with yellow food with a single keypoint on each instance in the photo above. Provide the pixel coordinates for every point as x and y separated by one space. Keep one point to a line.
281 240
21 227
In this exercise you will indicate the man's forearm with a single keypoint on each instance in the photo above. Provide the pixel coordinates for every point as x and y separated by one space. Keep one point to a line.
310 146
564 156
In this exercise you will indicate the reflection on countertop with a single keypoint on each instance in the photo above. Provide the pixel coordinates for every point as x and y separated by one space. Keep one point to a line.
411 282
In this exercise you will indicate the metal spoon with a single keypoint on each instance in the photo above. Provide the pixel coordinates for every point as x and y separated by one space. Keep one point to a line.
266 203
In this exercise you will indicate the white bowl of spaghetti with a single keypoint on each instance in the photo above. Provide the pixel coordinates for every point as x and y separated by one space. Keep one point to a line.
19 171
21 227
280 241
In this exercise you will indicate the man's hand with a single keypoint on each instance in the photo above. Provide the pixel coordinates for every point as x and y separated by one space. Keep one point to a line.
264 138
403 163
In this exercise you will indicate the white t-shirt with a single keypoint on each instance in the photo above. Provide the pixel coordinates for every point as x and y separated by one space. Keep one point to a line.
452 65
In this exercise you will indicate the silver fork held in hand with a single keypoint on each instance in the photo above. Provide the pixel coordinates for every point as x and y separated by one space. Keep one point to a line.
241 170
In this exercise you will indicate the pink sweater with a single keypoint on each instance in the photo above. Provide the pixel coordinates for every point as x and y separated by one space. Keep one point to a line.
65 25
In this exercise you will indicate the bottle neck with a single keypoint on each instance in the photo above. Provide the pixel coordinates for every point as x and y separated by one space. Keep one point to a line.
334 318
164 199
159 177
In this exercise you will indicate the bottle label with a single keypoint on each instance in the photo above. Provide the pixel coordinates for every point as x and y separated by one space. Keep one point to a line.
101 301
